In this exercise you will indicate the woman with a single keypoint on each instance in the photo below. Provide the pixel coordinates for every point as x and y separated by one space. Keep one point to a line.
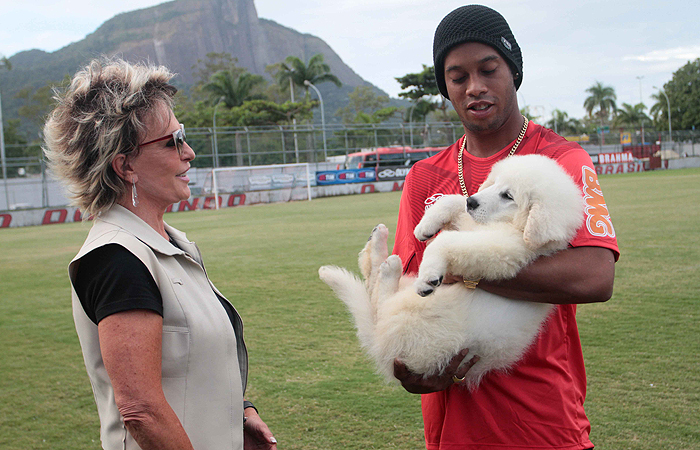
163 348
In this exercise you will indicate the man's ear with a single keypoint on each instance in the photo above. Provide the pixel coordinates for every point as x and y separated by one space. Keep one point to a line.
122 167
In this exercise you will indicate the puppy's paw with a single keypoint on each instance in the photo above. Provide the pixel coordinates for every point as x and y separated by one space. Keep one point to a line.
433 268
426 229
391 267
425 288
379 232
443 212
430 275
374 252
379 236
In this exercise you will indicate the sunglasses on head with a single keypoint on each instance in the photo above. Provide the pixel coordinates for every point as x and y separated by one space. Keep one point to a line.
178 139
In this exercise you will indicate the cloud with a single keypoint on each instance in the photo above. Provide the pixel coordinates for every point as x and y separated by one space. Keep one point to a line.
678 54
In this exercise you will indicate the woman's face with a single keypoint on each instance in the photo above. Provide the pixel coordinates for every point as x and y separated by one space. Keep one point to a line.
160 170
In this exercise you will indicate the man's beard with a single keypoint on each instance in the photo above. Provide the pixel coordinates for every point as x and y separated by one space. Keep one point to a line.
496 122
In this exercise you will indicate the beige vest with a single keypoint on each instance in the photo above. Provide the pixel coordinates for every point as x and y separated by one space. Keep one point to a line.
204 363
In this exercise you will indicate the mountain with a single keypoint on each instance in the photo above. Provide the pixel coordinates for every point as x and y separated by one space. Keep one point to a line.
177 34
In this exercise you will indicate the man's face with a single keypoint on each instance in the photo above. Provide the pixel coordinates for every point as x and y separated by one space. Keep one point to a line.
480 85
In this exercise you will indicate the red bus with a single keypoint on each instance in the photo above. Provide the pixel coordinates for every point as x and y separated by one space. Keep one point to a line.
388 156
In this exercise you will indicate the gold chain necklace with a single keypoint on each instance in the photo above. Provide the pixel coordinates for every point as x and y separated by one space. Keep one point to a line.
460 167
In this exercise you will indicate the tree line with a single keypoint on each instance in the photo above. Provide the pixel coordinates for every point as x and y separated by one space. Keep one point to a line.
683 92
234 97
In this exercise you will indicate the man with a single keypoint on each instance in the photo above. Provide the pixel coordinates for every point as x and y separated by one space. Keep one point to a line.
539 403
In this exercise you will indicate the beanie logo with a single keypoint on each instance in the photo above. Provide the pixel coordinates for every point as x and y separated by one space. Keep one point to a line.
506 44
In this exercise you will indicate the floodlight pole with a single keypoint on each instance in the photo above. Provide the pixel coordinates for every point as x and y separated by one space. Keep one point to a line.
668 102
323 119
216 144
410 121
641 102
4 62
2 156
294 119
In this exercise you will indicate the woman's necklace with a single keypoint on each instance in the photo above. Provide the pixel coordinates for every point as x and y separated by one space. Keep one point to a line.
460 167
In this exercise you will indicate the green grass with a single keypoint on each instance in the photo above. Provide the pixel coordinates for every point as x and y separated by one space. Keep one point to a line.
308 377
642 347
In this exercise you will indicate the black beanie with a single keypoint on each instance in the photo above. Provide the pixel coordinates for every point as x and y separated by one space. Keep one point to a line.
475 23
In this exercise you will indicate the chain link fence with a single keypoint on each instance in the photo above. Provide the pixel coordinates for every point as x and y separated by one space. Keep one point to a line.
309 143
29 185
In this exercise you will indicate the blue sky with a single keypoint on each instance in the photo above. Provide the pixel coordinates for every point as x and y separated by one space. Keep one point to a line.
567 45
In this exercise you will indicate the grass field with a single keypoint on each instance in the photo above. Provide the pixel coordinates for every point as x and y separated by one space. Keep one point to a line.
308 377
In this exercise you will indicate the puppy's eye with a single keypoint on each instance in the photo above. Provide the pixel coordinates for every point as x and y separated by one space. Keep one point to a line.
506 195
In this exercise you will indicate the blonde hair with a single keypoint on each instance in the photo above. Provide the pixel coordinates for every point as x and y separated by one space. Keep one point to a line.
100 115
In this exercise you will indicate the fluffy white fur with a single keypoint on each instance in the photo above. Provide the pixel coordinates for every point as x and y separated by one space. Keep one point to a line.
527 207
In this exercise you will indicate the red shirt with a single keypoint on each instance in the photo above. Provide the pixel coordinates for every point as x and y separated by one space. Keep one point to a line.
539 403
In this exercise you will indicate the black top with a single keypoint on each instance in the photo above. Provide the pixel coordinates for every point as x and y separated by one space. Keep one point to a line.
111 279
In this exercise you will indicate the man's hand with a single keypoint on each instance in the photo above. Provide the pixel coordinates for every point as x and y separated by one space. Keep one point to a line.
452 279
417 384
256 434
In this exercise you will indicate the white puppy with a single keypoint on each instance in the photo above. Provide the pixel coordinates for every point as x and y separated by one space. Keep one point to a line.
527 207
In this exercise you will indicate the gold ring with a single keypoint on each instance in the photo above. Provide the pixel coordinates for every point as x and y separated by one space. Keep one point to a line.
458 380
471 284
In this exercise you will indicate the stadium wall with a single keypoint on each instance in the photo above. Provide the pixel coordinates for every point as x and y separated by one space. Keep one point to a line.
63 214
50 216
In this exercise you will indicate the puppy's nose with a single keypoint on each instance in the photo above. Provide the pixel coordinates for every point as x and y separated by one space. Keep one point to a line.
472 203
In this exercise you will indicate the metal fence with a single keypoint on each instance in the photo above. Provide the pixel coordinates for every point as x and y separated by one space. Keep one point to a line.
309 143
28 185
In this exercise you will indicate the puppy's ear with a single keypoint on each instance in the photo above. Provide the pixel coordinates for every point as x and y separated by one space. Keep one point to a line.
545 225
490 180
537 230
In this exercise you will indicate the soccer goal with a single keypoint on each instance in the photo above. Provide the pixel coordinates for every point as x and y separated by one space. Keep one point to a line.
285 182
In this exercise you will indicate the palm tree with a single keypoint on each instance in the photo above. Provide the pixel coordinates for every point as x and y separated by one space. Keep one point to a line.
577 126
293 71
559 122
603 99
233 89
632 116
659 110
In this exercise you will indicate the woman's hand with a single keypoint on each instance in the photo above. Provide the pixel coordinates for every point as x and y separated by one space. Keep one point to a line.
418 384
256 434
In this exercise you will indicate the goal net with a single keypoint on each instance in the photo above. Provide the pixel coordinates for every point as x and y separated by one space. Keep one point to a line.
275 183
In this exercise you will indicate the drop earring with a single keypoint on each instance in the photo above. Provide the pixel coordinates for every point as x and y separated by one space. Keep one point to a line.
134 194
